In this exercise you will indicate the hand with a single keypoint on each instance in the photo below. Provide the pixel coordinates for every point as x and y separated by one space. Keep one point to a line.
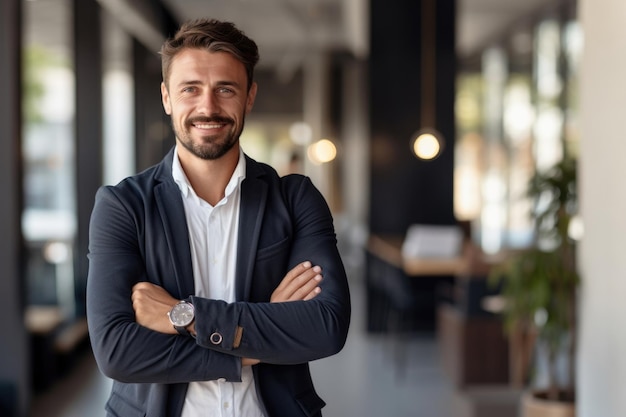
301 283
249 362
151 304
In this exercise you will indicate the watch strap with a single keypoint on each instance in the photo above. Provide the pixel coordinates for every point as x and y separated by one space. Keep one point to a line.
183 331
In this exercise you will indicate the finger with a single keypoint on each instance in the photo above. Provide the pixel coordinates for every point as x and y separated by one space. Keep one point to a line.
137 291
293 274
312 294
142 288
306 287
302 284
249 361
301 287
143 285
137 287
290 282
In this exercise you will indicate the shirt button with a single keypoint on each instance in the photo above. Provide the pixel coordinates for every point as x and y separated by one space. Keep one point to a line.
226 404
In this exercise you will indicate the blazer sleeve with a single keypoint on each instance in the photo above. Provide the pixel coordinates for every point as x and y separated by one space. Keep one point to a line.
125 350
288 332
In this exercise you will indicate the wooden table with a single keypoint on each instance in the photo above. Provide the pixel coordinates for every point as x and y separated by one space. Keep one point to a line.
389 249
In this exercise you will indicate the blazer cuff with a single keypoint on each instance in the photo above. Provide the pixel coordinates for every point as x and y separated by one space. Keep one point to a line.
217 324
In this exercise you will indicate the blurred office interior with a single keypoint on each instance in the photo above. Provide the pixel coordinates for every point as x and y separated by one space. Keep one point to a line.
347 89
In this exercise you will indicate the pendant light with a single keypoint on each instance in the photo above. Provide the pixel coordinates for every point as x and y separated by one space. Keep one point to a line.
427 142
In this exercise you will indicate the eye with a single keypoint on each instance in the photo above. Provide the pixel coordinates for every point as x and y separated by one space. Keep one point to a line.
189 89
225 91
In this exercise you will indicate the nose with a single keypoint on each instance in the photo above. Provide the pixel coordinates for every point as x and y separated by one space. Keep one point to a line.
208 104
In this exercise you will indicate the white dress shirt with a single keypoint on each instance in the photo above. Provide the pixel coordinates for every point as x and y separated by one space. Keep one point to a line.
213 232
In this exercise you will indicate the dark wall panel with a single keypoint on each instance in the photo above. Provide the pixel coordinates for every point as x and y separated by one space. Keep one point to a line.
403 189
14 348
88 61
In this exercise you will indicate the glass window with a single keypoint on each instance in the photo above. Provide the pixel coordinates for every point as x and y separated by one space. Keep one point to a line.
549 86
493 216
572 48
49 218
118 106
515 115
469 147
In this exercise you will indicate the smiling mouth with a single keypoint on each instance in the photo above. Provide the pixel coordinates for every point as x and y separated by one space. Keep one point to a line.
208 125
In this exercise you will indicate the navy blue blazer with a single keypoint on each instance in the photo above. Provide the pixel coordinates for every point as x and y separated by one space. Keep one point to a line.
138 232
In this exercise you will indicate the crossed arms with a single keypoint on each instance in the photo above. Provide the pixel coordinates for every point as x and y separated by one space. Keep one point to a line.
152 303
128 297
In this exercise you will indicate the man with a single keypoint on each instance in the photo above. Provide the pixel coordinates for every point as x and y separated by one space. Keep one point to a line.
205 293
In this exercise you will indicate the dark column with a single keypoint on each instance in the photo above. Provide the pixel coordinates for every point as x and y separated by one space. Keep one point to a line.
153 134
14 373
88 66
405 190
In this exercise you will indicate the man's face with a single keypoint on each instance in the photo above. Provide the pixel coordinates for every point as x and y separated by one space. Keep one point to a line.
207 99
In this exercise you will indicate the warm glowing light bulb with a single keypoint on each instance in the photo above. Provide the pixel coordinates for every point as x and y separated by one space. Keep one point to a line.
426 146
322 151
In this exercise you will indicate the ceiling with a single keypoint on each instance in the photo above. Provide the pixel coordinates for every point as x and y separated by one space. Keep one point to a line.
286 30
481 21
286 26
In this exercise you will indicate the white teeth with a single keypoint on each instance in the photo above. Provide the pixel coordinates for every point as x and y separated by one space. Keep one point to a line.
201 126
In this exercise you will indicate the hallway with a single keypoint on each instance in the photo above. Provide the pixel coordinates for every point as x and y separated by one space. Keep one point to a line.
364 380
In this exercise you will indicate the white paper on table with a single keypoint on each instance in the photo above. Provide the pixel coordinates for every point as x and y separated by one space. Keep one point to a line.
432 241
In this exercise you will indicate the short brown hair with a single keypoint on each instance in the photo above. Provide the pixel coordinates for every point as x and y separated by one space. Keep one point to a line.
214 36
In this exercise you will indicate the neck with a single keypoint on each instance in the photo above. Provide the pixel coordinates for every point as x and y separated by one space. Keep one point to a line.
209 178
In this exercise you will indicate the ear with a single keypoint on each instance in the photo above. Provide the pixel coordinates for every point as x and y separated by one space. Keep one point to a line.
251 97
165 98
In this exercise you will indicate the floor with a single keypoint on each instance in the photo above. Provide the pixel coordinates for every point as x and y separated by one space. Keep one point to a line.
366 379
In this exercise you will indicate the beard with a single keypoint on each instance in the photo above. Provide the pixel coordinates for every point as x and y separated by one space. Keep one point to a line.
209 147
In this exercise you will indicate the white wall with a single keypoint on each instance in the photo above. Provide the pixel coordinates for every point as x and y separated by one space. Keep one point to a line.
602 354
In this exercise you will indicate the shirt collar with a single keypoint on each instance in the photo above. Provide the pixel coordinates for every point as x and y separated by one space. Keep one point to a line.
178 174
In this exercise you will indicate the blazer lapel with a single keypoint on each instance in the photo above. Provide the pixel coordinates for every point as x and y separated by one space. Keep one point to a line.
172 214
252 209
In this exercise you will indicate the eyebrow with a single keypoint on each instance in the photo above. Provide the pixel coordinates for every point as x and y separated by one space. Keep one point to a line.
226 83
189 82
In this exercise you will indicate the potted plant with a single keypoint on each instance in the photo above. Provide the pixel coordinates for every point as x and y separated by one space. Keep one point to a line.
539 288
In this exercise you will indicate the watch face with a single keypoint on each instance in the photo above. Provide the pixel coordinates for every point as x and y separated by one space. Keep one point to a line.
182 314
